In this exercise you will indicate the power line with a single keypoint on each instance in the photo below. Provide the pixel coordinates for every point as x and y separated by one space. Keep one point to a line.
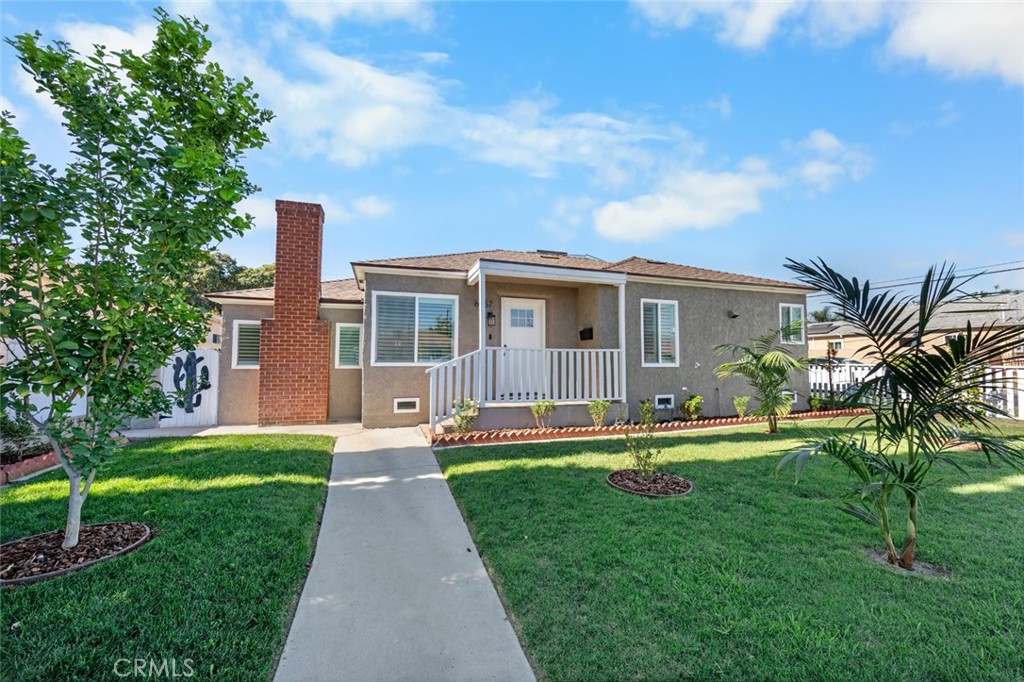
921 281
971 269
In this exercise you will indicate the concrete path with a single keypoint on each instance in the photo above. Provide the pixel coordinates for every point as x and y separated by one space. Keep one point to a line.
397 591
335 429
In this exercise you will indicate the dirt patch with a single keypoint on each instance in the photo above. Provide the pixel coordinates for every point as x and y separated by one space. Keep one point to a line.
922 569
660 484
40 556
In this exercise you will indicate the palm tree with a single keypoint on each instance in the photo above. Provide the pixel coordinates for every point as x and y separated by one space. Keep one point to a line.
925 402
766 365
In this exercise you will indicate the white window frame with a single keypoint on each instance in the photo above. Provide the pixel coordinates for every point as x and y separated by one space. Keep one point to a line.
671 401
803 321
835 344
234 343
660 302
417 295
405 411
337 345
794 396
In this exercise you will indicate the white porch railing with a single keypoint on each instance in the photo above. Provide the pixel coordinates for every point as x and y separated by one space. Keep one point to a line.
1005 385
524 375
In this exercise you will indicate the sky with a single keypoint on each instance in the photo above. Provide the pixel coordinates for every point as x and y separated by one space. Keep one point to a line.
880 137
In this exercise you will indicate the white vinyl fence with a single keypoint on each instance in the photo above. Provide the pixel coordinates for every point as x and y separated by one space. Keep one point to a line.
1005 385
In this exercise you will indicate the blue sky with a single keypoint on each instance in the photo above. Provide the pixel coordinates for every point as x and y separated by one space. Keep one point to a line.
881 137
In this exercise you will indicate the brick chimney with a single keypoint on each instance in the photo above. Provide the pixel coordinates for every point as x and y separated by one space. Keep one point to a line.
295 343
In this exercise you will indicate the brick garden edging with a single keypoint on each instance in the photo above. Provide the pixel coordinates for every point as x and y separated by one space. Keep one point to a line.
554 433
27 467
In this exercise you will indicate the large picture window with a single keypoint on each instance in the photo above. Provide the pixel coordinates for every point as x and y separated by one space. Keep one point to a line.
790 314
413 329
659 332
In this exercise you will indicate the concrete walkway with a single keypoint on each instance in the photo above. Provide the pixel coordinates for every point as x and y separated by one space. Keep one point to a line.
335 429
397 591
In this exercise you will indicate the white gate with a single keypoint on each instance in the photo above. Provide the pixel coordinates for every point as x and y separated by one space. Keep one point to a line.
191 379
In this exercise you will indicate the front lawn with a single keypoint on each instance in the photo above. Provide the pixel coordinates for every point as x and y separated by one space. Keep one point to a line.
750 577
235 521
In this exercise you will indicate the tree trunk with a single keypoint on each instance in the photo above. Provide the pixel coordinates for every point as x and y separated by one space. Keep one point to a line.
76 498
910 543
773 424
890 548
75 501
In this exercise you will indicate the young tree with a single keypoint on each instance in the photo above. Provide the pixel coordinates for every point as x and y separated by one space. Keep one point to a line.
923 400
766 364
157 142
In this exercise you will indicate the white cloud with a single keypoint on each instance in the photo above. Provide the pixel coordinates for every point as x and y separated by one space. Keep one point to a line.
417 14
827 159
336 212
83 35
957 37
686 200
567 216
721 105
742 23
19 116
372 206
964 38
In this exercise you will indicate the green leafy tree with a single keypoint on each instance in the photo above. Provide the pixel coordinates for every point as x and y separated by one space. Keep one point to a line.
157 142
766 365
925 402
215 271
258 277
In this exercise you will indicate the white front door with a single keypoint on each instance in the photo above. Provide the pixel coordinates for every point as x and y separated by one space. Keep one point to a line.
522 322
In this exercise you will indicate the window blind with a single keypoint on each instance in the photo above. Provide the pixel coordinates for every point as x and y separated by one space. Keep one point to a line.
247 345
348 345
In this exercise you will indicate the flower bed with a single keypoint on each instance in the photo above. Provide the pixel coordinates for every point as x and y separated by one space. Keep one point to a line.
555 433
27 467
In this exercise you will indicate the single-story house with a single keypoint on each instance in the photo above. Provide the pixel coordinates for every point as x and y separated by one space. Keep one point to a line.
406 339
1001 310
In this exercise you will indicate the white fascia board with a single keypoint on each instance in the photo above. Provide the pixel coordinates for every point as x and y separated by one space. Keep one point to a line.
240 301
646 279
544 272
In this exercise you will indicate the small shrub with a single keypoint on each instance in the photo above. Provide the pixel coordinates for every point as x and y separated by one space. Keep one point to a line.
599 410
18 440
542 411
816 403
740 402
693 406
640 442
465 416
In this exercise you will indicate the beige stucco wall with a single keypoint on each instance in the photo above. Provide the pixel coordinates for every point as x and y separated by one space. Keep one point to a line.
560 325
346 384
238 392
382 384
598 307
703 323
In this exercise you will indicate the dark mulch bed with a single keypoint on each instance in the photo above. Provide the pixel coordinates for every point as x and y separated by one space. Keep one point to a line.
41 556
661 484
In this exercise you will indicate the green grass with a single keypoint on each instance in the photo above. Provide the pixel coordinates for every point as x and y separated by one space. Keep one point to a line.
751 577
235 521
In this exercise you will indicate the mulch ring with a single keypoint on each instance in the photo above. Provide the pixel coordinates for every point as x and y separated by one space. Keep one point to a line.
661 484
40 556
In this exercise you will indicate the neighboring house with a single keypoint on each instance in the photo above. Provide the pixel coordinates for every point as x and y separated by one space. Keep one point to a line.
406 337
950 321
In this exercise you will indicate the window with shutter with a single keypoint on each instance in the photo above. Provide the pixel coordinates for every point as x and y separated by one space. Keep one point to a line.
790 314
659 322
413 329
349 345
246 344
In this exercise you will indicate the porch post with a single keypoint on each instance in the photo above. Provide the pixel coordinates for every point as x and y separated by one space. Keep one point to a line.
622 339
482 369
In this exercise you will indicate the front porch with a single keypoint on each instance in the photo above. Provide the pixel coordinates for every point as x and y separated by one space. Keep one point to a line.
570 354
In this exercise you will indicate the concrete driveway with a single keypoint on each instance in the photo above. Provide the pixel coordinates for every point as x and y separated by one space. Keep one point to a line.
397 590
